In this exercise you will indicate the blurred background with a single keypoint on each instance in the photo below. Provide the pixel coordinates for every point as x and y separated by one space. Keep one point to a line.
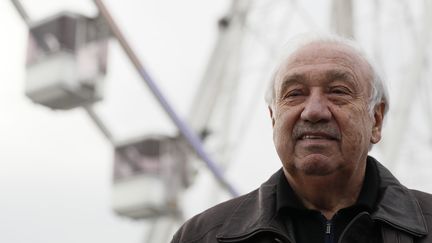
89 154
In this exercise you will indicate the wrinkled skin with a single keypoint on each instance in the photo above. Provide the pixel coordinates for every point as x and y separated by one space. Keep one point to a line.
321 123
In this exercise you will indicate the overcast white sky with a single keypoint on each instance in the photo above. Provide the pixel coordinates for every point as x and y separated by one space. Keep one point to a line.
55 167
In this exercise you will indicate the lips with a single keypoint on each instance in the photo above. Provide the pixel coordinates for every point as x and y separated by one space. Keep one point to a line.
317 136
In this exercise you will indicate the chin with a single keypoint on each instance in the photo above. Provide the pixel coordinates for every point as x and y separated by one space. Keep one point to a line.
314 165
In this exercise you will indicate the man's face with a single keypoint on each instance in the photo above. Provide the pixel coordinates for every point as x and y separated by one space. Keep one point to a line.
321 122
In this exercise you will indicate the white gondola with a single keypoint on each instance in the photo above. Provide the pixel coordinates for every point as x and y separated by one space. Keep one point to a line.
149 174
66 61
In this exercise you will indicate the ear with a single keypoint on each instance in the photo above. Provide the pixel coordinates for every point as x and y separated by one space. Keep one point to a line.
378 123
271 115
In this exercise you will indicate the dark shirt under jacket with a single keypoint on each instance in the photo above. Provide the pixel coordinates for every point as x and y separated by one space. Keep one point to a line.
310 225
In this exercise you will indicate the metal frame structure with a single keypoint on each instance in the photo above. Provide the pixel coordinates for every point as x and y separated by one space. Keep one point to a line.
190 136
159 226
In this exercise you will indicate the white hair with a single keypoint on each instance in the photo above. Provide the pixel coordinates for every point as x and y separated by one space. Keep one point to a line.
379 93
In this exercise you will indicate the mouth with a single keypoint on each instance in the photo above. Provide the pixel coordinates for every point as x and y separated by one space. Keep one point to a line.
316 136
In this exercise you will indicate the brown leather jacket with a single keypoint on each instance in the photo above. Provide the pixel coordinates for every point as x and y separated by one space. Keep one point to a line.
405 216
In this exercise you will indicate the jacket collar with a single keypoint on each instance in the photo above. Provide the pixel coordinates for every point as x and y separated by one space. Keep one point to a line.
256 213
397 207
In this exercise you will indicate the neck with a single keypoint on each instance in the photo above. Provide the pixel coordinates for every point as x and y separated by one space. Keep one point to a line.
328 194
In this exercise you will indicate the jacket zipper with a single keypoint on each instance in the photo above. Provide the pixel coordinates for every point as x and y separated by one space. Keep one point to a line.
328 232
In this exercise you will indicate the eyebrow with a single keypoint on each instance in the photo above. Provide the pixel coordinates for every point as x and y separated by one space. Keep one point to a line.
289 80
330 75
339 75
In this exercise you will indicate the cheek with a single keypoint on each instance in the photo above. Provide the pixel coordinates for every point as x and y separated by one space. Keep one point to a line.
283 143
357 129
280 133
282 130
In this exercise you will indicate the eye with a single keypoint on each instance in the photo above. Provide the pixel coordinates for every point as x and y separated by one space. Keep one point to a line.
340 90
294 93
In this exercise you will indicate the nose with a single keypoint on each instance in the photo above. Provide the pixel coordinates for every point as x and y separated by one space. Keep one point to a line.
316 108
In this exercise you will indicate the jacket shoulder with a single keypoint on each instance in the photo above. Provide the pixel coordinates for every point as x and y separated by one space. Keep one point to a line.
206 224
425 201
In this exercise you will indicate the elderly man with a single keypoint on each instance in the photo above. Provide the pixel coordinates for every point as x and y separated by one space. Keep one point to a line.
327 106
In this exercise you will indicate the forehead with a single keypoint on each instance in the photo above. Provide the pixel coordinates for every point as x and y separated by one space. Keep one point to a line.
325 58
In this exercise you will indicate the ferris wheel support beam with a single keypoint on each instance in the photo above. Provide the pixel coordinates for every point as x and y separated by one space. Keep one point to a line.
220 81
212 109
21 10
190 136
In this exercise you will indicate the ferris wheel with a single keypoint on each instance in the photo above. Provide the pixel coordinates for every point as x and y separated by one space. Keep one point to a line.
251 35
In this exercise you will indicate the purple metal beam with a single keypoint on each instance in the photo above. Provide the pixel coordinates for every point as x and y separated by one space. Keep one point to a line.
190 136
